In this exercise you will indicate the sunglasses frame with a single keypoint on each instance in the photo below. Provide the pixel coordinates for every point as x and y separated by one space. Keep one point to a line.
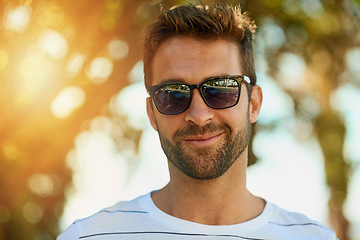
239 78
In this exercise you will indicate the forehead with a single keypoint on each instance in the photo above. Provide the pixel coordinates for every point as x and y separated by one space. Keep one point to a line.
191 60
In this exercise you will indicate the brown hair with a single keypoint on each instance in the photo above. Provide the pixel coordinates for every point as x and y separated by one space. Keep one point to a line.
201 22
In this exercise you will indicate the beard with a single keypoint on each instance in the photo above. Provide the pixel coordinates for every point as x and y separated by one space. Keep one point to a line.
208 162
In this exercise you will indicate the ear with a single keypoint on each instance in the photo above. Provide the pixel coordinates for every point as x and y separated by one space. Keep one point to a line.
255 103
150 113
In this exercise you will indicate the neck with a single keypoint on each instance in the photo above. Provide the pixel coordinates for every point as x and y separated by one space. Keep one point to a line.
221 201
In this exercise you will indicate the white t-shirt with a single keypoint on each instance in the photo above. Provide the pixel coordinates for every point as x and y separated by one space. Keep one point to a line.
141 219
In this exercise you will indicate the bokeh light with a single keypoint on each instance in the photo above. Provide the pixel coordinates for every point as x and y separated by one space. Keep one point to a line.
352 61
118 49
10 151
34 75
18 18
312 8
32 212
292 69
53 43
75 64
100 69
41 184
67 101
272 34
133 105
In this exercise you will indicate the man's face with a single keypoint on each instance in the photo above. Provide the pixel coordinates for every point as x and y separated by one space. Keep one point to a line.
201 142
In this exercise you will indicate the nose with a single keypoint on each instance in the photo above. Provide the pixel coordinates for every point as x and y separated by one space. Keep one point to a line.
198 112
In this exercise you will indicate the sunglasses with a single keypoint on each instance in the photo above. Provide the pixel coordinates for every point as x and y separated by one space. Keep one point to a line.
217 93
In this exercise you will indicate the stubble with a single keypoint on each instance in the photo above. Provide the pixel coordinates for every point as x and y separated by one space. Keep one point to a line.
208 162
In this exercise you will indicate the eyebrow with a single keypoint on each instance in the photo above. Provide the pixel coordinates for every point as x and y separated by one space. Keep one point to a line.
180 80
172 80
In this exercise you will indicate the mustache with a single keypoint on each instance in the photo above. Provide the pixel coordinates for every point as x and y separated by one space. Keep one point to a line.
192 130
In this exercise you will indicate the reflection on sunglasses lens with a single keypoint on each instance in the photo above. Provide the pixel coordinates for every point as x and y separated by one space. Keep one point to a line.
171 99
225 94
217 93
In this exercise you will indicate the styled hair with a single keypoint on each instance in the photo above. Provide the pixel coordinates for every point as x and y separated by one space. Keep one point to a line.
216 22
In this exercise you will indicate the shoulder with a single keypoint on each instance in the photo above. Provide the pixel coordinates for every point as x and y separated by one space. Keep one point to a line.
297 224
71 233
107 220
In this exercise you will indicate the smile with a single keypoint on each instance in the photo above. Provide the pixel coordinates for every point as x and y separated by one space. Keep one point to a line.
203 140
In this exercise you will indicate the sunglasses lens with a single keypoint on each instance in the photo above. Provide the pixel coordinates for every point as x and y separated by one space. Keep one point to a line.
221 93
172 98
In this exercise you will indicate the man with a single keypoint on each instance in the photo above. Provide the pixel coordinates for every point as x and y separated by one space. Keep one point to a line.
200 75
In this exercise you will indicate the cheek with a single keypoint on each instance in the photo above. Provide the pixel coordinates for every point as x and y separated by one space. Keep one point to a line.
167 125
238 118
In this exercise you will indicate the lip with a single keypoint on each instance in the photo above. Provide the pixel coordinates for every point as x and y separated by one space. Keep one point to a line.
202 140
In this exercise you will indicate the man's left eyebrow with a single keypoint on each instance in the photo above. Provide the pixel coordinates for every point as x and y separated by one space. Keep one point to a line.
172 80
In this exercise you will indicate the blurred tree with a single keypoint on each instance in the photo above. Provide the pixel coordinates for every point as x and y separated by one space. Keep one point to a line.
61 62
321 33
